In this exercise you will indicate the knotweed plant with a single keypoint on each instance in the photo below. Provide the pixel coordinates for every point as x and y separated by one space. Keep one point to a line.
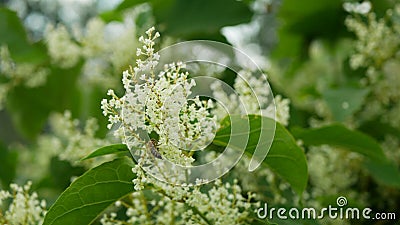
180 140
158 121
193 133
155 114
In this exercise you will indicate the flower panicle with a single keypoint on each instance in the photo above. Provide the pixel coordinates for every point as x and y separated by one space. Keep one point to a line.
24 208
156 103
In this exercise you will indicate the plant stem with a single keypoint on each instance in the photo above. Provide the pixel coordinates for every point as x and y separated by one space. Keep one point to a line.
195 210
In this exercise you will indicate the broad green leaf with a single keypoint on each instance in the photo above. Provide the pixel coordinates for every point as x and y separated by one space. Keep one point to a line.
89 195
284 157
313 19
29 108
300 24
60 173
91 96
385 172
106 150
198 19
379 129
203 16
13 35
343 102
130 3
8 163
379 167
339 136
288 160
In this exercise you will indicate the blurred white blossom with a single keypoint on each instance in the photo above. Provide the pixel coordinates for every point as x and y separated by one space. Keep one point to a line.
254 94
63 50
69 140
377 50
355 7
77 142
24 208
376 41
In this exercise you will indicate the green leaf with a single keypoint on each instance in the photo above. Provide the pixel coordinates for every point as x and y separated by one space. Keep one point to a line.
301 23
378 129
89 195
8 163
284 157
343 102
313 19
288 160
106 150
29 108
384 172
339 136
60 173
198 19
207 16
378 166
13 35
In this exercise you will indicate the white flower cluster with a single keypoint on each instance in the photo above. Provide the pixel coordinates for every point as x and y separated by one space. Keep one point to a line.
141 210
159 104
378 50
329 170
384 100
99 47
24 208
76 142
62 49
156 106
273 188
27 74
376 41
222 204
255 95
102 49
391 147
332 171
282 113
68 141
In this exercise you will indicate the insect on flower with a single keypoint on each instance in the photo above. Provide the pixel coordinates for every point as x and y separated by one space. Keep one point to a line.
152 147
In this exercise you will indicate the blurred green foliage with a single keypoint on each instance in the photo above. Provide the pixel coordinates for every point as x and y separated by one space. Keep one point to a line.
310 64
